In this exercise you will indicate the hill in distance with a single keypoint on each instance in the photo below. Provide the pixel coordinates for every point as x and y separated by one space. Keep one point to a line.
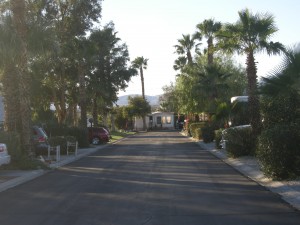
123 100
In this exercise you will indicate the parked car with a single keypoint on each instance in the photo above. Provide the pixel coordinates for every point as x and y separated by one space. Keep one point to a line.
4 156
40 140
98 135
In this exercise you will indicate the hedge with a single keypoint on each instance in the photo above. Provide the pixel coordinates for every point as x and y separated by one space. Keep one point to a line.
278 151
239 141
195 129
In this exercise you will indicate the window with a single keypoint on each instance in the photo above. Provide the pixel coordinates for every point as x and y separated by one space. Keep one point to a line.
168 119
158 120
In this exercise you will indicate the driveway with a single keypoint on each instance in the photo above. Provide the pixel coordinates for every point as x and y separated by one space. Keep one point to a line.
155 178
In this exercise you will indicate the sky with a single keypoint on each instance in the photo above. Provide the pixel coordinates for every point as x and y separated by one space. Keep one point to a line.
151 28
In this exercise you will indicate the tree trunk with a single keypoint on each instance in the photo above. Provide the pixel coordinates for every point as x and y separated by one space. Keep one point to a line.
143 85
12 120
253 101
210 51
95 112
189 57
18 8
82 97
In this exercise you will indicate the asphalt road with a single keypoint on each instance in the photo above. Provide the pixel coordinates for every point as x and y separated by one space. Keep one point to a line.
155 178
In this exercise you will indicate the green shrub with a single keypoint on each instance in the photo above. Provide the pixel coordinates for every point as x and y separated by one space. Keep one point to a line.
218 138
239 141
193 127
208 134
278 151
198 134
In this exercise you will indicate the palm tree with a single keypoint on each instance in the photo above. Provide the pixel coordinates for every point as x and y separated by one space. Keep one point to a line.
141 63
286 78
209 29
18 8
185 46
250 35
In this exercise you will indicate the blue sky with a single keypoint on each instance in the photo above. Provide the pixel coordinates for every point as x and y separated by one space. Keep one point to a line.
151 28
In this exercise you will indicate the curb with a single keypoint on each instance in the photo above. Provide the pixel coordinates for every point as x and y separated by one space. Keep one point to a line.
30 175
21 179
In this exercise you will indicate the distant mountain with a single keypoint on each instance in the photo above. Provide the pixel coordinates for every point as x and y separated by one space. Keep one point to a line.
153 100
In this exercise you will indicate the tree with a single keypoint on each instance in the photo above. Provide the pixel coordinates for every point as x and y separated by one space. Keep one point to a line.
185 46
281 92
141 64
138 106
109 69
71 21
250 35
278 144
168 100
18 8
209 29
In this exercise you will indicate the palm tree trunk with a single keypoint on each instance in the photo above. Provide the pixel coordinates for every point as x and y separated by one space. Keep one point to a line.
189 57
210 51
143 95
142 80
12 120
254 110
18 8
82 97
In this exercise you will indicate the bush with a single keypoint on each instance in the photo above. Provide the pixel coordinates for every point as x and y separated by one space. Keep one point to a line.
218 138
239 141
278 151
208 134
194 130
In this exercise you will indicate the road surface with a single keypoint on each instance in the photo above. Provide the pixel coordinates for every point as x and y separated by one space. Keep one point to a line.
154 178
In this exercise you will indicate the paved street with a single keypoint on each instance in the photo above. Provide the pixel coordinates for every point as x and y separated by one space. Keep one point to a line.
155 178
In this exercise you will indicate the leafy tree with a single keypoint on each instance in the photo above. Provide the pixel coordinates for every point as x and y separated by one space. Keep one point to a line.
109 71
138 106
209 29
168 101
250 35
71 21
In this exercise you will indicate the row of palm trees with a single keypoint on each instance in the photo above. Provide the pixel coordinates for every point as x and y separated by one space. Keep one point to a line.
250 35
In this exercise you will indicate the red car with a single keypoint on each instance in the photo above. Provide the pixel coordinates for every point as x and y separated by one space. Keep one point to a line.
98 135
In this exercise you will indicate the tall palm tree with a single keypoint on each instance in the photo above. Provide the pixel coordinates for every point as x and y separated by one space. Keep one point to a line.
185 46
141 63
250 35
209 29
